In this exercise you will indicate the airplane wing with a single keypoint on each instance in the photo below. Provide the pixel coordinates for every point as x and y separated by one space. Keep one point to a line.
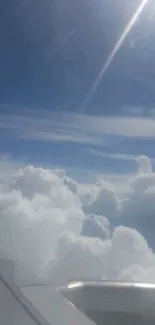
15 308
105 303
113 303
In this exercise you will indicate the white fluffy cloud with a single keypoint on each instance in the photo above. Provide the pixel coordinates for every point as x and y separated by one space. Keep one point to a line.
35 208
126 255
49 225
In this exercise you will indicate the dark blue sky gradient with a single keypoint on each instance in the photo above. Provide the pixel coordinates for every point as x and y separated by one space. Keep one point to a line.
52 51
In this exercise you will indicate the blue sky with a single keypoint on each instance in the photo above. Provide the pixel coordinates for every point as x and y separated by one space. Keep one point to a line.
51 54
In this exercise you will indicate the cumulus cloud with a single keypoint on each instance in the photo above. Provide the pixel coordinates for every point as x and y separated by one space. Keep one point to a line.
125 255
103 200
144 164
56 229
35 208
96 226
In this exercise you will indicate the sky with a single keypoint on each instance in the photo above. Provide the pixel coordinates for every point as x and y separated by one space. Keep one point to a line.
51 56
77 167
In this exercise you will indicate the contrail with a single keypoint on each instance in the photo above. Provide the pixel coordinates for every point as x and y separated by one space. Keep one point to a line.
116 48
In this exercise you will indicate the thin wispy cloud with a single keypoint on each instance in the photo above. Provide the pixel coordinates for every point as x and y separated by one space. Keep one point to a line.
55 128
117 156
76 127
124 157
61 137
132 111
121 126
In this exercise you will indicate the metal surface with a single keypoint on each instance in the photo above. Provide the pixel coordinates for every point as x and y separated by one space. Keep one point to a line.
111 301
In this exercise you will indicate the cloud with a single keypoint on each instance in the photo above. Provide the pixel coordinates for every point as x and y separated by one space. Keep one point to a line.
51 128
128 202
132 111
56 229
124 256
36 206
96 226
145 165
78 128
120 126
62 137
103 200
117 156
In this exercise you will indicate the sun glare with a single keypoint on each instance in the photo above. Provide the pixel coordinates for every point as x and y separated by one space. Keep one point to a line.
113 53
